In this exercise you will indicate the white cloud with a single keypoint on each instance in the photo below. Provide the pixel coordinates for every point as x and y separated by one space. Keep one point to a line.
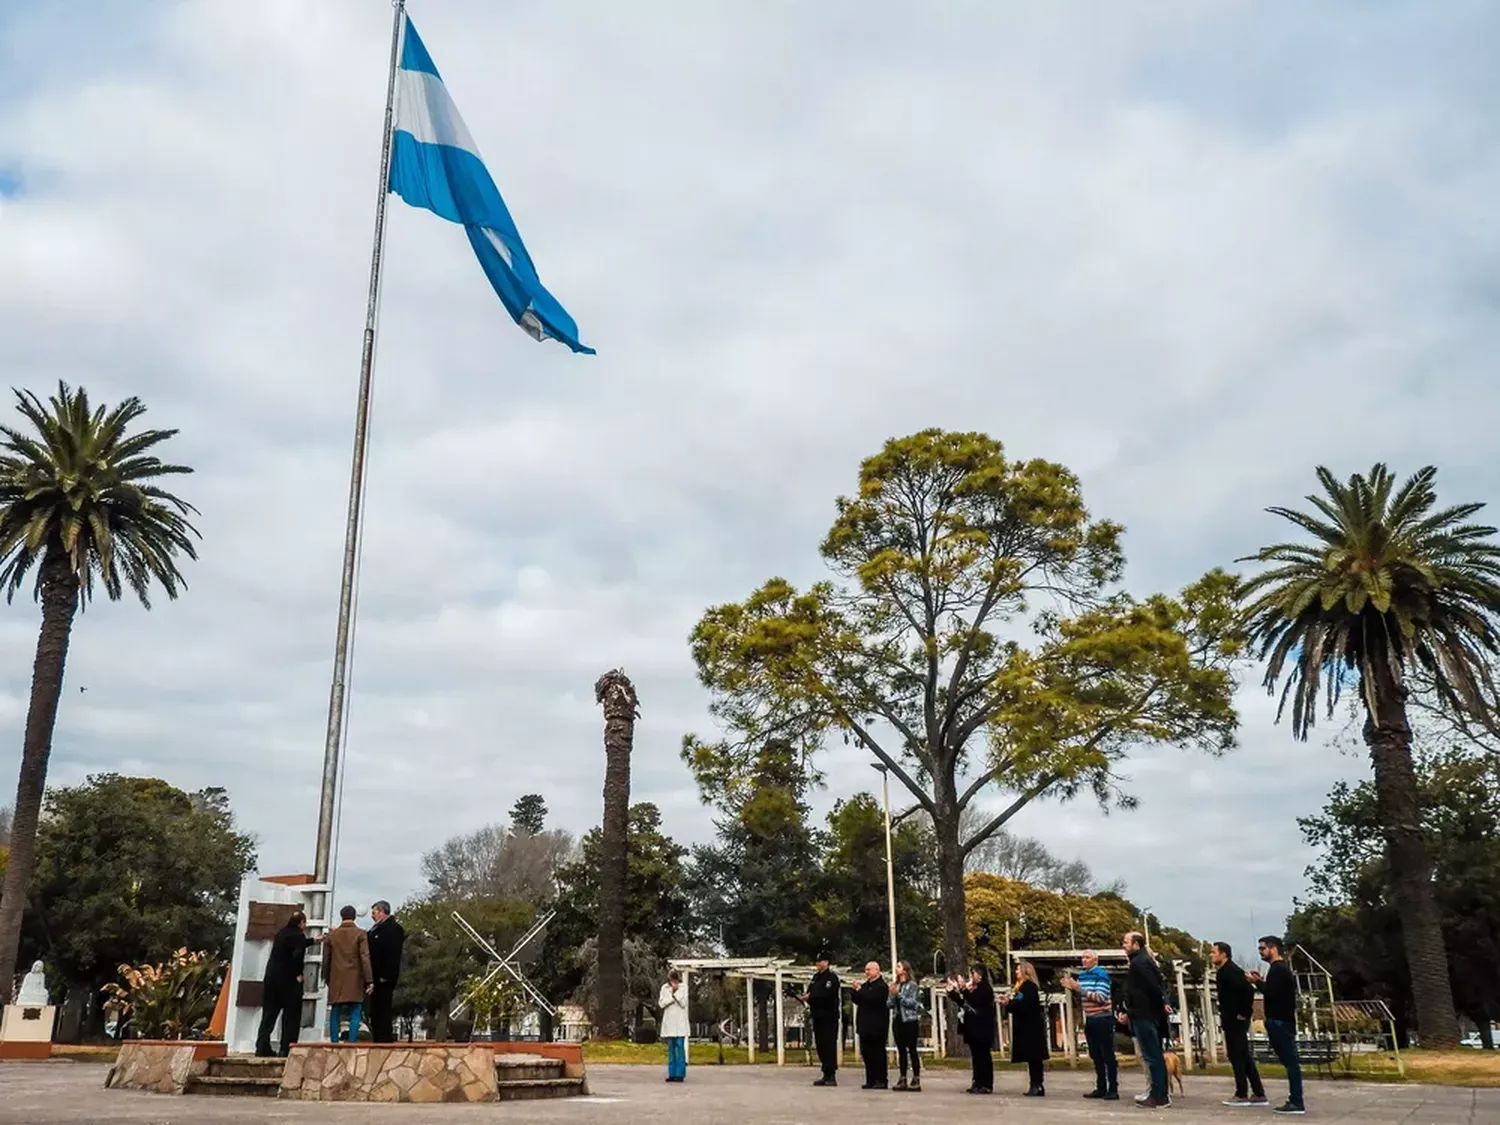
791 234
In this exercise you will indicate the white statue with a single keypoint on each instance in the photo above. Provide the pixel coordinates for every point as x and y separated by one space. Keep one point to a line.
33 992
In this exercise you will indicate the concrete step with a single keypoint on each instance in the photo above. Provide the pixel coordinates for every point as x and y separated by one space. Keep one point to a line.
533 1089
245 1066
234 1087
526 1068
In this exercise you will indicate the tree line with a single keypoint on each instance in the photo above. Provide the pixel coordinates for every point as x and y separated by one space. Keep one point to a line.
774 881
975 636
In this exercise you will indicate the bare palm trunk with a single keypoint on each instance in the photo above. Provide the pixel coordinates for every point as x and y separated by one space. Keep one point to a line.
1388 735
617 695
59 597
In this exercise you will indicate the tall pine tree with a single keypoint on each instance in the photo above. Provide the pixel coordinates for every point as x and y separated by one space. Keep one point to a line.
757 884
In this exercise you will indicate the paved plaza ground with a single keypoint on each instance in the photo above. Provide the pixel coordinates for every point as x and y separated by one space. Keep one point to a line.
57 1092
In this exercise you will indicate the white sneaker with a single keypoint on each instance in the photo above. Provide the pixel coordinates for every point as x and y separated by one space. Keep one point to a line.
1143 1097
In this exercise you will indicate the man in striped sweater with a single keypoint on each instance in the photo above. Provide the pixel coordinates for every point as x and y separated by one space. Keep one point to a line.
1092 986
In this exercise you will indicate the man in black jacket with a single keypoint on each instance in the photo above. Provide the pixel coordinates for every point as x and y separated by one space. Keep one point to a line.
386 939
1146 1007
1236 1007
1280 991
822 1000
872 1023
281 987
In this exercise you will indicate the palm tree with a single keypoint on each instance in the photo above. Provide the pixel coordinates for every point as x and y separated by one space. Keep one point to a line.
617 695
78 504
1390 586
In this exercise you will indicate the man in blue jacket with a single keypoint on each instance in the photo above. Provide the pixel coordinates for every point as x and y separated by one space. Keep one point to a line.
1094 989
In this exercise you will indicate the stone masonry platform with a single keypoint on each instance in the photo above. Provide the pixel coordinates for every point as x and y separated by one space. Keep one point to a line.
400 1072
423 1073
161 1066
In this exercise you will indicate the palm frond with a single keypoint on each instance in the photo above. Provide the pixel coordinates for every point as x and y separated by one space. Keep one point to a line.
1389 582
78 484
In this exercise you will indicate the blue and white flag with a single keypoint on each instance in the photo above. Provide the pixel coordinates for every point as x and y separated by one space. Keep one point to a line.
435 164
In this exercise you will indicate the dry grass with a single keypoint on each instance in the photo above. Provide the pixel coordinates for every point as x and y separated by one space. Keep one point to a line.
1435 1068
81 1053
1464 1067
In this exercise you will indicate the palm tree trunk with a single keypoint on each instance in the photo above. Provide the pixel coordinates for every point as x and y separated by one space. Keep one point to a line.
1388 735
617 694
59 598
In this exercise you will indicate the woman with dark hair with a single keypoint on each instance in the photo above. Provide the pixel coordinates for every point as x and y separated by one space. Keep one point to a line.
975 999
1028 1040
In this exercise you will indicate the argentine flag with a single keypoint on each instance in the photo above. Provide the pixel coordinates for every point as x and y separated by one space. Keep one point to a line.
435 164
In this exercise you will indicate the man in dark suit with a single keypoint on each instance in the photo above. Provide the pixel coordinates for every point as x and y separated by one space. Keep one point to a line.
822 998
872 1022
386 940
281 988
1236 1007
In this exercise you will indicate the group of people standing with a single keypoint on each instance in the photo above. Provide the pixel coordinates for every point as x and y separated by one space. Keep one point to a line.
880 1008
884 1009
893 1009
360 970
1146 1009
978 1019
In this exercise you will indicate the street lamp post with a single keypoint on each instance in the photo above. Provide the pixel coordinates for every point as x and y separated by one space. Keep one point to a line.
890 863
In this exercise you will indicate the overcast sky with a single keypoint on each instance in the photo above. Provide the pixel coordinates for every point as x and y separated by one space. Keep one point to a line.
1190 249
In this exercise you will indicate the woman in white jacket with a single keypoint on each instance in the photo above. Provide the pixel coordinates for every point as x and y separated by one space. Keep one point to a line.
674 1026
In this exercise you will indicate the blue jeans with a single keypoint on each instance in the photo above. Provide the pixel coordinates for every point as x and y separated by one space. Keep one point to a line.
676 1057
336 1015
1283 1037
1099 1031
1148 1039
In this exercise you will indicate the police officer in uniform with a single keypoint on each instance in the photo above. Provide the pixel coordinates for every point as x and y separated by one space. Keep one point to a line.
823 998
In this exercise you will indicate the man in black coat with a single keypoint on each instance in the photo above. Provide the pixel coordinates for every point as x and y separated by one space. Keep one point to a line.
872 1023
1146 1006
823 1000
1236 1007
386 940
281 988
1279 989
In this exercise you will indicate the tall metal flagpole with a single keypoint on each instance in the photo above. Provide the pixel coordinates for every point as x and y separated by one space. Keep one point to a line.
331 748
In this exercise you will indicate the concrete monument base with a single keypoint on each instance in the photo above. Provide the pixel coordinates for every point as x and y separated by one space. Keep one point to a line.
26 1031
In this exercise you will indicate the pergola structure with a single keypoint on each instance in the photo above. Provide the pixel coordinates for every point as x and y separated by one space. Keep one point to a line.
780 971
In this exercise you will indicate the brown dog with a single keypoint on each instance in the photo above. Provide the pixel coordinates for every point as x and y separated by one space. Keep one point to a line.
1174 1070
